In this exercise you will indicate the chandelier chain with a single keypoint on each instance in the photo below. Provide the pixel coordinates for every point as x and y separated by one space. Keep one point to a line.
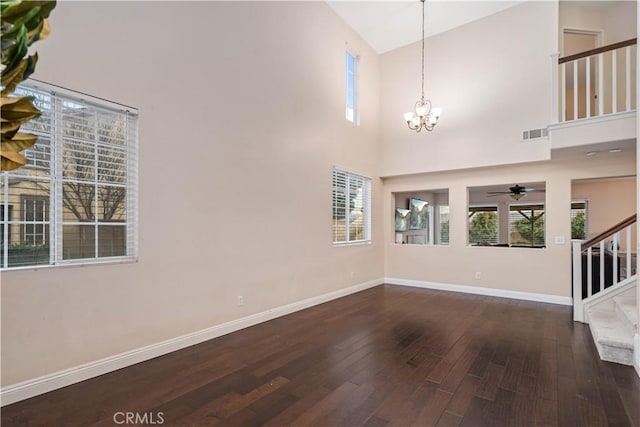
423 1
422 116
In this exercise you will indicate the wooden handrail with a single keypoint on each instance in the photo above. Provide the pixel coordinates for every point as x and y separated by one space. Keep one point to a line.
619 226
598 50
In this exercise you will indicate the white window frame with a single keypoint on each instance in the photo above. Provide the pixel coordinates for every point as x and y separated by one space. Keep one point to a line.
50 171
354 77
366 206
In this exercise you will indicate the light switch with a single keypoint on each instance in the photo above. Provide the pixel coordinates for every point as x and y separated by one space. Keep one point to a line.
559 240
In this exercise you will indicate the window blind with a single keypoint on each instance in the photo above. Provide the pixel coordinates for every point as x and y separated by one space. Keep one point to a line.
84 169
351 207
526 225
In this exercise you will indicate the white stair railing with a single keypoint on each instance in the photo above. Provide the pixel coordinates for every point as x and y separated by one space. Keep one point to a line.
595 83
614 267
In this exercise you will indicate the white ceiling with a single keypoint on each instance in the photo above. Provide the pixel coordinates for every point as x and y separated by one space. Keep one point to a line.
388 25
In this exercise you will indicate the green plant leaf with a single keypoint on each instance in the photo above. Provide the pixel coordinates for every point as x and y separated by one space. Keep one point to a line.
12 55
14 10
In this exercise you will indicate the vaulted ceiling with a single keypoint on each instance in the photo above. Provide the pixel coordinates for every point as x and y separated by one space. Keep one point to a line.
388 25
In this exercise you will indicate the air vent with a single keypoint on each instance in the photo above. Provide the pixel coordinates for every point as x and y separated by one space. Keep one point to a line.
535 134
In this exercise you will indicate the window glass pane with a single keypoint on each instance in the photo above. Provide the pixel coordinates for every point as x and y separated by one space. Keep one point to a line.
111 203
579 220
78 202
339 206
351 207
351 88
483 225
78 241
112 240
526 225
444 224
25 223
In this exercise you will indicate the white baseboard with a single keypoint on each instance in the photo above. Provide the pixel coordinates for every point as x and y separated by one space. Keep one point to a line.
552 299
33 387
636 353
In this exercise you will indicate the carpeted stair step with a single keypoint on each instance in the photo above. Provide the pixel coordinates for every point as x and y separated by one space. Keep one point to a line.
612 334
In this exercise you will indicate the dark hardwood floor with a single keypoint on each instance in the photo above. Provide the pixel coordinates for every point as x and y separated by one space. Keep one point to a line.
387 356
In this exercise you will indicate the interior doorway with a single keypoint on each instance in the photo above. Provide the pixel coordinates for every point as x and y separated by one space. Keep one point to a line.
577 41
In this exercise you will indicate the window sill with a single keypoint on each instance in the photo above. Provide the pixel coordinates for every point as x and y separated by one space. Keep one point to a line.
71 264
356 243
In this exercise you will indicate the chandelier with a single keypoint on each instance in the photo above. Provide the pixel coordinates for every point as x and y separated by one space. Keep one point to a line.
423 116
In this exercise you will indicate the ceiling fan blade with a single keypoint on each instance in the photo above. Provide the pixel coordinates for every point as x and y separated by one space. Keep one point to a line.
533 190
497 193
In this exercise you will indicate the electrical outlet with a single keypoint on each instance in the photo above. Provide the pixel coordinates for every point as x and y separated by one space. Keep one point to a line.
240 300
478 274
353 274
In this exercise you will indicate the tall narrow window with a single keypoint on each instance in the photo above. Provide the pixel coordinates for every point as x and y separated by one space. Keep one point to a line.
483 225
443 223
353 113
76 199
351 208
526 225
579 220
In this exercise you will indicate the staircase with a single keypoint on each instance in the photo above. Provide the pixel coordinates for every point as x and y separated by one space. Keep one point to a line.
613 324
605 290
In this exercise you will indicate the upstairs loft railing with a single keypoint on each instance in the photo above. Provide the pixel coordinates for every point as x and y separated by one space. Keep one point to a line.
603 264
595 83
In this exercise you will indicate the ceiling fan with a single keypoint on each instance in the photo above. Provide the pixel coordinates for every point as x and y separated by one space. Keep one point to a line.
517 192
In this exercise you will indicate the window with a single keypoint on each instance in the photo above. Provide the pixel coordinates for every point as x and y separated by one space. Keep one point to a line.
351 208
443 221
3 221
76 198
526 225
483 225
579 220
35 226
353 113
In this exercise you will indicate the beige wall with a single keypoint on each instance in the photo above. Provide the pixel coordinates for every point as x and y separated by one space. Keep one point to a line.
492 78
241 120
541 271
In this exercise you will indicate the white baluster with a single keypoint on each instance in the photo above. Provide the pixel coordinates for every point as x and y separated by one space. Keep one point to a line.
578 315
589 272
614 81
629 244
627 61
616 240
564 92
554 87
575 90
601 265
588 88
600 84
